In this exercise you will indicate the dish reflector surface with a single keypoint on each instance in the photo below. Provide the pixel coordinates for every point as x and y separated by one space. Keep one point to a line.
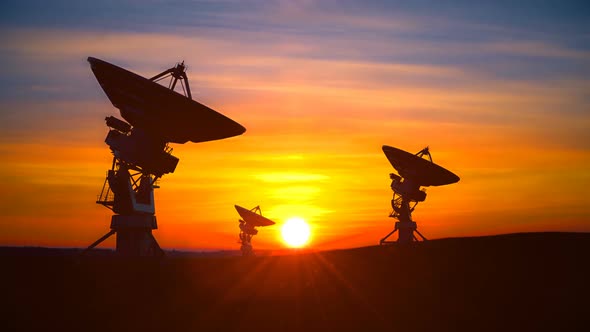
163 112
253 218
422 171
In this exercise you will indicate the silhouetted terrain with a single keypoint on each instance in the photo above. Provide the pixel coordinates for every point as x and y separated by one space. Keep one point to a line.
525 282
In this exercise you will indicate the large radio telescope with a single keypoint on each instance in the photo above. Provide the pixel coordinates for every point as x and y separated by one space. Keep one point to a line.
250 220
154 116
414 172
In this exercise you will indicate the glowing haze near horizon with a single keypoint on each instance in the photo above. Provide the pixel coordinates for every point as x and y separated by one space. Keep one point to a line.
500 92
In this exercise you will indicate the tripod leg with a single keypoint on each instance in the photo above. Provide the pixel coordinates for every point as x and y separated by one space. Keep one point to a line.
388 235
422 236
97 242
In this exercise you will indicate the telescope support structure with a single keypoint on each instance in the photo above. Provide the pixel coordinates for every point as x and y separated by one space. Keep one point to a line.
247 231
406 196
129 193
246 241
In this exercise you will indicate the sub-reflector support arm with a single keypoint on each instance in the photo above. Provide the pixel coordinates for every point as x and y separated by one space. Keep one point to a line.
162 74
188 88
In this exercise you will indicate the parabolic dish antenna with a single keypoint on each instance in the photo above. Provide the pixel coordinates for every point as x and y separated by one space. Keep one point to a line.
252 217
160 110
414 171
250 220
422 171
156 115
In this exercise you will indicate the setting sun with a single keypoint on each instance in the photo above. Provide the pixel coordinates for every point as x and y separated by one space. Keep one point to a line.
295 232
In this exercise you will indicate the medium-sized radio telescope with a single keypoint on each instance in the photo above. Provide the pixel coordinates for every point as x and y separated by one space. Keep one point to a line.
414 172
250 220
154 115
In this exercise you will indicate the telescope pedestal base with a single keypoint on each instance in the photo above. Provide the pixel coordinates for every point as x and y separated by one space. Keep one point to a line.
134 235
406 231
406 234
247 250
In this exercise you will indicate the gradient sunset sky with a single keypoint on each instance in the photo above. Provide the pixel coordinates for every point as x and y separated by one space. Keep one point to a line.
499 90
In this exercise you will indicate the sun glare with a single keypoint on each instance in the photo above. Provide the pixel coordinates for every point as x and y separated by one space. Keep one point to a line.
295 232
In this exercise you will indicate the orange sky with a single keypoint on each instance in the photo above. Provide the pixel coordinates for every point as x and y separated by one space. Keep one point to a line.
317 111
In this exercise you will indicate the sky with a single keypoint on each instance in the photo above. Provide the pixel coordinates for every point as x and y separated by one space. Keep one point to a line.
499 91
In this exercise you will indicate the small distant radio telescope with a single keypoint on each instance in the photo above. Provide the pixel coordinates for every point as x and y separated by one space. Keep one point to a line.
414 172
250 220
154 115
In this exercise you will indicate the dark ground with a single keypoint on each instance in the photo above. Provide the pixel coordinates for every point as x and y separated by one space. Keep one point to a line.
526 282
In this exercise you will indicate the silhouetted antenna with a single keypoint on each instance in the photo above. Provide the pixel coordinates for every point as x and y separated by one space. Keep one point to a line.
425 152
250 220
154 117
414 172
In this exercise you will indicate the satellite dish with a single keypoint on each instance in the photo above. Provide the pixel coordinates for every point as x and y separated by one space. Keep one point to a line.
415 167
250 220
155 116
414 171
159 110
253 218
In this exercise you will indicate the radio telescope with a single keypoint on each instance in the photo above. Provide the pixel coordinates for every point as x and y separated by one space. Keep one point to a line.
154 116
250 220
414 172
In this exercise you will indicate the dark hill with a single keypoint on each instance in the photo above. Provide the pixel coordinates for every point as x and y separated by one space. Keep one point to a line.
531 282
